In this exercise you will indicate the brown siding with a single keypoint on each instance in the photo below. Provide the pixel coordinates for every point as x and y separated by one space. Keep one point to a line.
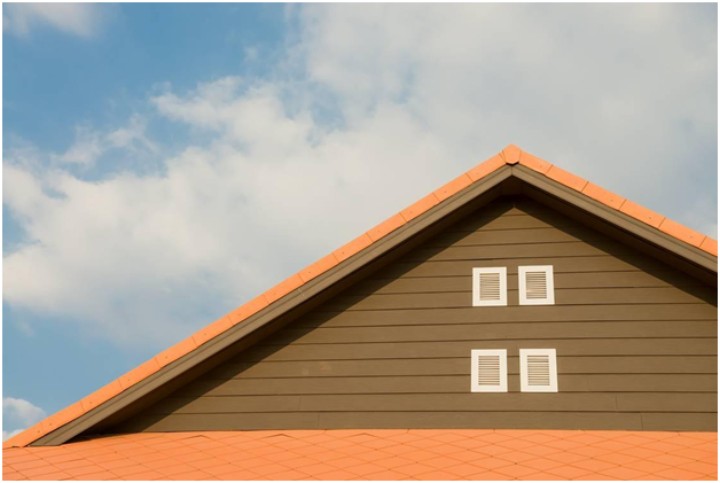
636 342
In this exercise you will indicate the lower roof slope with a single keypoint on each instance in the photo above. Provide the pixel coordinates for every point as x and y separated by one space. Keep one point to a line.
512 162
374 455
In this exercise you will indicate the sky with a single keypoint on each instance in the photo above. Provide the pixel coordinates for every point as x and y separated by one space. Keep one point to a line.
165 163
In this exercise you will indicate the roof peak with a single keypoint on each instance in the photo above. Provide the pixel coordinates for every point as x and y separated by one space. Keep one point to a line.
511 154
511 157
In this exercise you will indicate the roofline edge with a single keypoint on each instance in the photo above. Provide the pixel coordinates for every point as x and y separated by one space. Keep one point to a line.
616 217
684 242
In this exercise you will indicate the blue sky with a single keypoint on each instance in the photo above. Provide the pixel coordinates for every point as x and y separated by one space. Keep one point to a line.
164 163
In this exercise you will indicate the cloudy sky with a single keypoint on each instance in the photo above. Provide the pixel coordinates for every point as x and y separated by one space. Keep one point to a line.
164 163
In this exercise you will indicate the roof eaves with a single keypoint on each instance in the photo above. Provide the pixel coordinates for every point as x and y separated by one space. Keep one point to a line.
608 211
621 204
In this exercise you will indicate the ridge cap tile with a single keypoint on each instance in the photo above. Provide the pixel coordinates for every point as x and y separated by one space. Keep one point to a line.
641 213
212 329
318 267
139 373
682 232
247 309
710 245
533 162
566 178
63 416
352 247
385 227
452 187
283 288
176 351
511 154
606 197
419 207
486 167
105 393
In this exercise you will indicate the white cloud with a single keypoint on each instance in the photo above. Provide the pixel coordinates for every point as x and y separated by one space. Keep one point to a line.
127 254
131 136
19 414
80 19
90 145
390 102
85 150
624 95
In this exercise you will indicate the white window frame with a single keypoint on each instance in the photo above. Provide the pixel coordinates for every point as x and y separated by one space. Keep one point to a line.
502 273
474 370
522 284
552 359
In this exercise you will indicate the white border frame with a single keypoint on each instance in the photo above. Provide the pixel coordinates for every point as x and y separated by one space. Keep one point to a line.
522 284
502 272
524 386
474 373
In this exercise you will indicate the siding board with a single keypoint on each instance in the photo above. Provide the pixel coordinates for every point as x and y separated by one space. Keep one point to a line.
546 234
629 279
418 350
444 384
389 402
391 420
579 296
519 250
467 315
459 366
508 330
636 341
678 421
420 420
520 222
668 402
450 268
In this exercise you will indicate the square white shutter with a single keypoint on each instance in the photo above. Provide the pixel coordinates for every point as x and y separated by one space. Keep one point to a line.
488 370
538 370
489 286
536 285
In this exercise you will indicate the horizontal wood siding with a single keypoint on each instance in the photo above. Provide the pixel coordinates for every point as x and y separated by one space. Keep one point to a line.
636 343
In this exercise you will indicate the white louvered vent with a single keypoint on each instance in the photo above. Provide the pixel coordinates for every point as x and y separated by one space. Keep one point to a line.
488 370
536 285
538 370
489 286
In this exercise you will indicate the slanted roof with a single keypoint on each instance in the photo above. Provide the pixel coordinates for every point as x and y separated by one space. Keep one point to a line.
511 171
418 454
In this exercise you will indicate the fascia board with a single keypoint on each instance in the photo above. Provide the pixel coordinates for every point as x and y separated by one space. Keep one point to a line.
617 218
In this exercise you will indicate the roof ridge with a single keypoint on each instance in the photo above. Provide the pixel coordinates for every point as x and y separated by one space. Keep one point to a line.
511 155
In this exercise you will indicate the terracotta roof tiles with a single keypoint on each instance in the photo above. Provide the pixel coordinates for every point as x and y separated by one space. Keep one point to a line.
448 454
511 155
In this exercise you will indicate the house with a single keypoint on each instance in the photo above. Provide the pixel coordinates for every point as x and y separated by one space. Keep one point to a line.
519 310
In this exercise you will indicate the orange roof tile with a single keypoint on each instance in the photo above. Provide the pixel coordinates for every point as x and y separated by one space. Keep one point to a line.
463 454
511 155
